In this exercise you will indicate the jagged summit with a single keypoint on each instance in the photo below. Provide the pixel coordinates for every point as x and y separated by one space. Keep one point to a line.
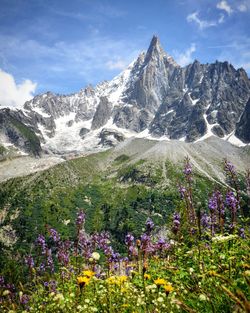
155 51
153 98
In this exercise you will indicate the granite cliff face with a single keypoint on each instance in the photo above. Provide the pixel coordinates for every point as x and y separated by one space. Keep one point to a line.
153 98
16 130
243 127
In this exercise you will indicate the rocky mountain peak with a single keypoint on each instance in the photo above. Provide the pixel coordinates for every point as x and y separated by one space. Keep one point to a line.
155 52
153 97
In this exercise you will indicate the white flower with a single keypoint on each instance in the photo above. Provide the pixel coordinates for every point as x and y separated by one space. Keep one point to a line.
95 256
224 238
202 297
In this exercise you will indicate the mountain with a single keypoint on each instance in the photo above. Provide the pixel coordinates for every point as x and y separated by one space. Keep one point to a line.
153 98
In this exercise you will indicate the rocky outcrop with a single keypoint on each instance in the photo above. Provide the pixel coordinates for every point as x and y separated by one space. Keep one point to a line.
102 113
243 127
17 133
110 137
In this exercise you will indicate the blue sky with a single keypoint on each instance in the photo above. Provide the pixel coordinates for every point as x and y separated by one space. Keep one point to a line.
64 45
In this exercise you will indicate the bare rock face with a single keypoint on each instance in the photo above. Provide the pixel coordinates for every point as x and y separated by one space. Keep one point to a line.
110 138
243 127
17 133
102 113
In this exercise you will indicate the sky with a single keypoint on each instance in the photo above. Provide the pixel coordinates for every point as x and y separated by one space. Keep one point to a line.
63 46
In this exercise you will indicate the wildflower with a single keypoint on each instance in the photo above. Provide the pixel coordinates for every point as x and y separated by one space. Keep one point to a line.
123 279
95 256
160 282
54 235
111 280
182 191
88 273
160 299
176 223
1 281
42 243
59 297
229 168
168 288
224 238
149 225
202 297
80 218
147 276
242 233
82 281
129 239
6 292
187 168
29 261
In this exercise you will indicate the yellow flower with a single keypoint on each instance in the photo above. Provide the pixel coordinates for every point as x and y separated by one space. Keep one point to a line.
83 280
168 288
111 280
123 278
88 273
160 282
147 276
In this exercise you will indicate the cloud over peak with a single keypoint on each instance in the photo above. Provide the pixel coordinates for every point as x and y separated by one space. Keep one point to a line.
13 94
185 58
224 6
194 17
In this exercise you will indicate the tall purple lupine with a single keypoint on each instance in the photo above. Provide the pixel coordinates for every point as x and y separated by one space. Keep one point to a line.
40 241
205 221
130 243
176 223
232 177
233 204
187 193
149 225
29 261
54 235
213 205
80 219
50 262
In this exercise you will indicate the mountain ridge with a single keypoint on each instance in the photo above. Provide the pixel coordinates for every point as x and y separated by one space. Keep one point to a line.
153 98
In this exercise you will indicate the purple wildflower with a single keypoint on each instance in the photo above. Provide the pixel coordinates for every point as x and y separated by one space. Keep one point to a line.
149 225
24 299
176 223
50 262
182 191
188 167
1 281
54 235
229 168
129 240
231 201
29 261
42 243
80 218
205 220
242 233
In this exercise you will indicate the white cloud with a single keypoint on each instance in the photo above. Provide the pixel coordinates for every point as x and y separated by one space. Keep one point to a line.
201 23
221 19
223 5
116 65
244 6
92 59
12 94
185 57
